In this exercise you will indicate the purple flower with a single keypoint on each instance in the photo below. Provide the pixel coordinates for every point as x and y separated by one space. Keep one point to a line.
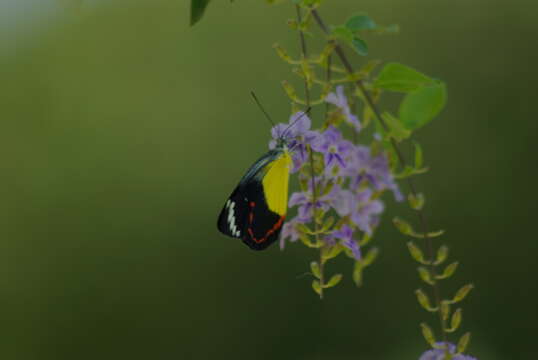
362 209
366 215
372 170
334 149
340 101
297 135
439 354
345 234
289 231
305 200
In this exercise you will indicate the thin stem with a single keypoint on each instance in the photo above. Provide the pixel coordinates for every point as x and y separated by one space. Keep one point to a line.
314 192
303 53
307 98
328 75
421 217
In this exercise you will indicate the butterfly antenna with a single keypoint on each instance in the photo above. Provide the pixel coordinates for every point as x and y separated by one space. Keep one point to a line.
261 108
299 118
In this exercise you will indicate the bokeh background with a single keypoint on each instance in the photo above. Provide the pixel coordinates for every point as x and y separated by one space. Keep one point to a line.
123 130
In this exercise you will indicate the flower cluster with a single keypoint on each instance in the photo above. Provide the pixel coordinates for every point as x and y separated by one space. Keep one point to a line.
439 354
337 177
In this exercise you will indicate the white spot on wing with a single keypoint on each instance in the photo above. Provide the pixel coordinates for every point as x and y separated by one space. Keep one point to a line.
230 205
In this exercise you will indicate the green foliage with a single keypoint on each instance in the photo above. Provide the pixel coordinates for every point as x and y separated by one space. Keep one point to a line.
422 105
416 201
403 226
397 130
462 293
425 275
455 321
334 280
445 310
416 253
360 22
424 301
359 45
428 334
423 99
442 254
314 267
344 34
463 343
448 272
316 286
401 78
197 10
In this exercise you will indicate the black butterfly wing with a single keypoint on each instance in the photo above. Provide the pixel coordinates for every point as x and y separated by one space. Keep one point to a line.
246 215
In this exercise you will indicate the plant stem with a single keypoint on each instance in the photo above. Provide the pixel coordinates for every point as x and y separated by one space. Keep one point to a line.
421 217
307 100
303 53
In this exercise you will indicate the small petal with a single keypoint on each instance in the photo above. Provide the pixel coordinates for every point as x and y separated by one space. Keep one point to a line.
297 198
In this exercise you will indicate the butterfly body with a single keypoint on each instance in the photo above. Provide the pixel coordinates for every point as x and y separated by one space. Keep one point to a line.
256 209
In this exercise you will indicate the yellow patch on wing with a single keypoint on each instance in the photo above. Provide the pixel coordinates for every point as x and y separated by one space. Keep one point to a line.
275 184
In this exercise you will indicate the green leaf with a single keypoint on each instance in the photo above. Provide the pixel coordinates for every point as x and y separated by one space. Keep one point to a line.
416 253
360 22
462 293
442 254
428 334
197 10
397 130
359 46
357 273
409 171
424 301
420 106
445 310
463 342
327 224
449 271
314 267
303 228
434 234
330 252
342 33
370 257
416 202
401 78
365 239
425 275
335 279
455 321
316 286
402 225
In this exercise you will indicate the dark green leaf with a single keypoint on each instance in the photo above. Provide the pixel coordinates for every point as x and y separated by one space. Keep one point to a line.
359 46
428 334
197 10
397 129
342 33
401 78
314 267
360 22
335 279
420 106
463 342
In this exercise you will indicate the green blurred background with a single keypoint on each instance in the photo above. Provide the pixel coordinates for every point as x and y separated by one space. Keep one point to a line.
123 131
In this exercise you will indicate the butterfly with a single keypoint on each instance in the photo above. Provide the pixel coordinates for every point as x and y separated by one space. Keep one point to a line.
256 210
